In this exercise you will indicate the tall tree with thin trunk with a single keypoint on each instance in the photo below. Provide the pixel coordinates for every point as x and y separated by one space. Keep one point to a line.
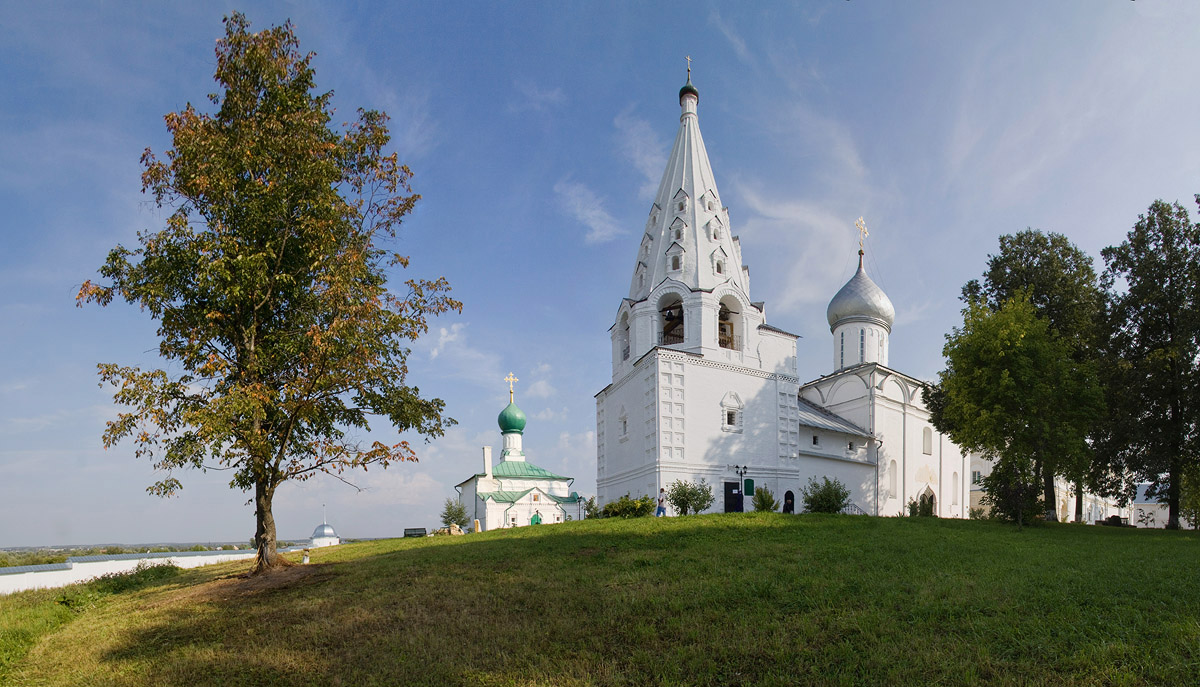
1013 392
269 285
1061 285
1152 281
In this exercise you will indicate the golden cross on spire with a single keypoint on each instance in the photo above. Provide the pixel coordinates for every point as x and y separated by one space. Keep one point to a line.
510 379
862 232
689 60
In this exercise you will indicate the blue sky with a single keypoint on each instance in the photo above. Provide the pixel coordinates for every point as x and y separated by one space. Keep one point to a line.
537 133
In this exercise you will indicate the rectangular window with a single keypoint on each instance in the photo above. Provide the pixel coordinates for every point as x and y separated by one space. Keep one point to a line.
816 440
862 345
730 417
976 477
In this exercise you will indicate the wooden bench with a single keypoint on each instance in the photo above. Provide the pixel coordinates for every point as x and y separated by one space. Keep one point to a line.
414 532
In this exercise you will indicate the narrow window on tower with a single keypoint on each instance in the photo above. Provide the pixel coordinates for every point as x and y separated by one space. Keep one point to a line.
720 267
678 234
862 345
842 352
674 262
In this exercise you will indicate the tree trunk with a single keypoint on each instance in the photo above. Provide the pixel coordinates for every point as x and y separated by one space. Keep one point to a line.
1079 500
264 534
1175 475
1048 494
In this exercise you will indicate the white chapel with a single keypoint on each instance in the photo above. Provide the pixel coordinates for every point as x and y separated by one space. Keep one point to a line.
515 492
703 388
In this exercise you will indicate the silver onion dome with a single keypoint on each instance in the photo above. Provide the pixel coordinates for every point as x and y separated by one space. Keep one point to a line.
860 299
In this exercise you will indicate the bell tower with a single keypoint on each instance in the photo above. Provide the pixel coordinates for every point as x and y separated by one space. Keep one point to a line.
688 309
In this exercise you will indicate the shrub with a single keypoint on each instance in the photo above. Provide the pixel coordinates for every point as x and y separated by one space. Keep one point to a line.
764 500
590 509
454 513
626 507
921 508
690 497
977 514
826 496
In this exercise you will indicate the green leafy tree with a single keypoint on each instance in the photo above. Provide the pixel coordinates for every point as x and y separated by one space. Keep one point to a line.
1061 284
690 497
591 509
1014 392
1153 351
454 513
826 496
269 286
764 501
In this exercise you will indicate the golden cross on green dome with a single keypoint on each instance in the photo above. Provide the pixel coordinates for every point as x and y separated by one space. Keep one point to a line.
510 379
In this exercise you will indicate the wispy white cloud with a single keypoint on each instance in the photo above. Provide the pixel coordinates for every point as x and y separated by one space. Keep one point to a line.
540 389
534 99
585 206
643 148
455 355
735 40
805 234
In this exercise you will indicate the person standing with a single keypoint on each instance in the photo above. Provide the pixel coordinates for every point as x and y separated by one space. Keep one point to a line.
662 503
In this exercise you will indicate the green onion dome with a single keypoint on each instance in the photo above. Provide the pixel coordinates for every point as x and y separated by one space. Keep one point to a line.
688 88
511 419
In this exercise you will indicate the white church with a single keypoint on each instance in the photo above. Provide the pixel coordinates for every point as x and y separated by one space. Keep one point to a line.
515 492
704 388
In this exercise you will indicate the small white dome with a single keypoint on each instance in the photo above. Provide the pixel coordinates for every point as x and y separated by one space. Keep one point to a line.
324 530
860 299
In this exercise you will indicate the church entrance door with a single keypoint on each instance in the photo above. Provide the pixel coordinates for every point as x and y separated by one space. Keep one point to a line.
733 497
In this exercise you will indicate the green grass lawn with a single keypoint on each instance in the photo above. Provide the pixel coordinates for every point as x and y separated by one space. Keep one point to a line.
704 600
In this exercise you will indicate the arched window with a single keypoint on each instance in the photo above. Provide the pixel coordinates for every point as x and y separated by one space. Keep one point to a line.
674 262
720 267
954 497
670 311
927 441
893 478
678 234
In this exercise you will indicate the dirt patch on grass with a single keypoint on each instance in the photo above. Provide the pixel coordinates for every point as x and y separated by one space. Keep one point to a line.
245 585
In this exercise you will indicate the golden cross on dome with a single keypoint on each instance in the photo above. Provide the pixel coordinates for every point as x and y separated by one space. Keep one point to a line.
510 379
689 59
862 232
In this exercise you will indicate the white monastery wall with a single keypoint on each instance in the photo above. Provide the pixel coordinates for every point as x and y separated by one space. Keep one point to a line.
83 571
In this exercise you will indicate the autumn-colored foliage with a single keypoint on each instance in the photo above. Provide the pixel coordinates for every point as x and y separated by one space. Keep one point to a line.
269 284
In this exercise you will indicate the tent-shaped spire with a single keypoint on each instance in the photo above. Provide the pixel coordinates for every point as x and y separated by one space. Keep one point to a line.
687 236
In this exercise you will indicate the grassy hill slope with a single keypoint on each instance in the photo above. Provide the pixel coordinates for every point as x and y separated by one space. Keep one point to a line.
708 600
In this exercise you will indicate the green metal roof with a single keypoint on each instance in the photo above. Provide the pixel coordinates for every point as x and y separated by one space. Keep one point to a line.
514 496
520 469
503 496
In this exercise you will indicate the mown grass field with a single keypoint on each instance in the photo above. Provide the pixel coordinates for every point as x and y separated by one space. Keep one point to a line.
710 600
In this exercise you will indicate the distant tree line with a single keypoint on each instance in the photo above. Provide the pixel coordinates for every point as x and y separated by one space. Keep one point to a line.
1060 372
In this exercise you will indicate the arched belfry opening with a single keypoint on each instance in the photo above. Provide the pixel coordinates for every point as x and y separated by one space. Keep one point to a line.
624 333
729 324
670 315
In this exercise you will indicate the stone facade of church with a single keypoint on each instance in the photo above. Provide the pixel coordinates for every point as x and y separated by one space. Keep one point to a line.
704 388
